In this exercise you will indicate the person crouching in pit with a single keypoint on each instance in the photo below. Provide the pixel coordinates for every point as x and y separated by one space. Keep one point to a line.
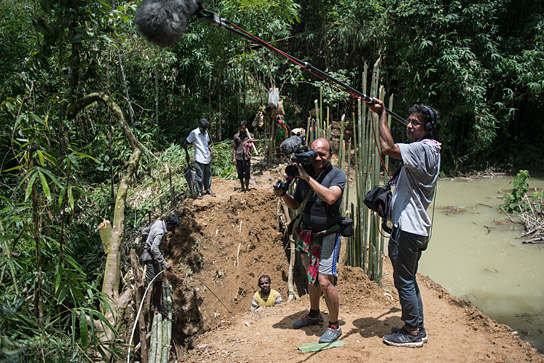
266 296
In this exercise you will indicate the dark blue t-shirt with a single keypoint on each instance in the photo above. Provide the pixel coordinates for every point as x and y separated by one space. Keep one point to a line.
317 214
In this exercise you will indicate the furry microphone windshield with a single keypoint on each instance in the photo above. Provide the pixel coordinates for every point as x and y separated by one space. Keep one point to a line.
291 145
163 22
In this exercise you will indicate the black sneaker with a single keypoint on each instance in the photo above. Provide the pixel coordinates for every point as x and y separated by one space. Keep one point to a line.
422 333
199 196
403 338
307 320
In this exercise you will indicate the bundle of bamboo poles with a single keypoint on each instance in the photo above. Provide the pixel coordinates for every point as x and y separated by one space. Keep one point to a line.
366 246
161 331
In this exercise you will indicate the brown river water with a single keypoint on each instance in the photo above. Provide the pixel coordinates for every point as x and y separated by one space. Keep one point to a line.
476 255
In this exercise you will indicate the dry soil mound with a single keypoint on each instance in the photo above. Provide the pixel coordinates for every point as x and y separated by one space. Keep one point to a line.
227 242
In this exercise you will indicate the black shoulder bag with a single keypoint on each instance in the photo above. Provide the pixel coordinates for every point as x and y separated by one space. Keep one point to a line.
378 199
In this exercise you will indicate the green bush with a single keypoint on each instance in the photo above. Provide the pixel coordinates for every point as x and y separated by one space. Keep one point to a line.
513 202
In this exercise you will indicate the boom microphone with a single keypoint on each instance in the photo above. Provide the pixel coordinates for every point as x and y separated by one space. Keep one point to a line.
163 22
290 145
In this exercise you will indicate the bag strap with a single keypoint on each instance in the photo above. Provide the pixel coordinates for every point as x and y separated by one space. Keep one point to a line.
298 218
434 197
395 174
309 194
321 176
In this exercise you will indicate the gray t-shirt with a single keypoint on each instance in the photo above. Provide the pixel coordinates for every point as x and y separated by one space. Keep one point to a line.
415 187
156 234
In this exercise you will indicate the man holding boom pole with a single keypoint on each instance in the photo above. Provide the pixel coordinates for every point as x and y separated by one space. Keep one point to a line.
414 190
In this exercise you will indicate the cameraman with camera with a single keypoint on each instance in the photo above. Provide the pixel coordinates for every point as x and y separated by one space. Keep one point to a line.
320 187
414 190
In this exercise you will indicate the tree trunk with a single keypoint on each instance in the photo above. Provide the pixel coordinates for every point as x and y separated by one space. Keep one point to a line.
112 235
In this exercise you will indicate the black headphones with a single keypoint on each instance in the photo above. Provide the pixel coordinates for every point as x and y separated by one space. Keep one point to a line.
429 126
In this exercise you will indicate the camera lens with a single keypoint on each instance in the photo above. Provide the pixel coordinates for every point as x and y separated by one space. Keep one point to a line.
291 171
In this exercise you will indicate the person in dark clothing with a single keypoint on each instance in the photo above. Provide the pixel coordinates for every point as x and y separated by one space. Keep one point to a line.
241 155
153 256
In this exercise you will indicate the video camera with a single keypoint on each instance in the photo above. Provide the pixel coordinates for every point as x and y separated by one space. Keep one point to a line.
303 156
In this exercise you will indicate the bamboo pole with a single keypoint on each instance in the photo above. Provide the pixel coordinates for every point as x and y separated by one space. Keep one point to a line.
360 248
319 120
356 161
348 173
366 145
309 126
164 324
341 150
321 109
374 241
153 342
167 335
315 134
351 240
329 124
378 265
159 338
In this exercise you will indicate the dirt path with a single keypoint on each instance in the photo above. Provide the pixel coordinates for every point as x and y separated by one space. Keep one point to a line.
227 242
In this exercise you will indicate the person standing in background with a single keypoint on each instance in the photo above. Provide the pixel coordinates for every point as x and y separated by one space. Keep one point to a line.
203 157
241 155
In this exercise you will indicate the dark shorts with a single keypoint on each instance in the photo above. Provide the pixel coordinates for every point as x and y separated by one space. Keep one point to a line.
152 269
243 167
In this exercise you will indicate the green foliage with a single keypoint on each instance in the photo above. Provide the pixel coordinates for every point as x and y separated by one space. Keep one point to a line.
513 202
67 293
222 164
47 292
479 63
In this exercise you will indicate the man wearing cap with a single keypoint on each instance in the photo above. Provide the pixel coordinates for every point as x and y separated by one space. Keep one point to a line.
200 138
